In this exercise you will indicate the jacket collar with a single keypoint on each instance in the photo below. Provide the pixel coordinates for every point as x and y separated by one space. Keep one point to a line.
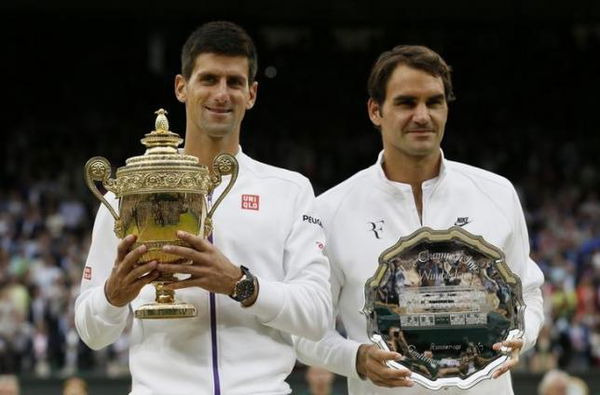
394 187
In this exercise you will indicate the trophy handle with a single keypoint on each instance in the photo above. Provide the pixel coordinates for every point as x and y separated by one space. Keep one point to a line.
97 169
224 164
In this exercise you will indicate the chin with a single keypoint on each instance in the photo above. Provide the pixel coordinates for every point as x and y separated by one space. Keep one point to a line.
425 151
218 131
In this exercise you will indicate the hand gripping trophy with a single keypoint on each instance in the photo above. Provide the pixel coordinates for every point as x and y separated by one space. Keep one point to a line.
159 193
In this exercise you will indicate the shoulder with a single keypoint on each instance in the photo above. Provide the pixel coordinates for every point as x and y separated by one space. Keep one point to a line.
479 177
330 201
341 190
490 187
276 175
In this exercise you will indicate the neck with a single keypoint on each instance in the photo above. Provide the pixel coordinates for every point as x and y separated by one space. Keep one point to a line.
206 148
412 170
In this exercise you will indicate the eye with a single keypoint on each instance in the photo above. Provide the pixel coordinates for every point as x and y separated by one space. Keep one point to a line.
435 102
405 103
207 79
236 82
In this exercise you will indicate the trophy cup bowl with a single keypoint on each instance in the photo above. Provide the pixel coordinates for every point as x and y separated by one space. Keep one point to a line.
159 193
442 299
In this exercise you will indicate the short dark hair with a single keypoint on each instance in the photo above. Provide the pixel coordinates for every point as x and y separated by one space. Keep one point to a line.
222 38
415 56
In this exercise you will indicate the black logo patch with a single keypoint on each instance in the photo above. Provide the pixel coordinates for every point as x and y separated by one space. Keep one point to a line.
462 221
376 228
312 220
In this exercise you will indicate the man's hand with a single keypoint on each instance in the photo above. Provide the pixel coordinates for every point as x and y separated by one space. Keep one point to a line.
514 346
127 279
370 363
210 269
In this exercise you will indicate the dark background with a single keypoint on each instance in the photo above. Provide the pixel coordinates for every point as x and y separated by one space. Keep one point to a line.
84 79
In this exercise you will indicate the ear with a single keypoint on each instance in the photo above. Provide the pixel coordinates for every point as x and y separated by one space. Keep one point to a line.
180 88
252 95
374 112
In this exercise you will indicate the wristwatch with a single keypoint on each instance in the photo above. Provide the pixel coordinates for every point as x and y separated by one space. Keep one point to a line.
245 286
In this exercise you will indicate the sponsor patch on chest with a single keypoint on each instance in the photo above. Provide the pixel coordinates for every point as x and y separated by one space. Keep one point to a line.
250 202
311 220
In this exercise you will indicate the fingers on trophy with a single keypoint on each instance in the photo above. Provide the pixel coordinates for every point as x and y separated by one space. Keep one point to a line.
159 193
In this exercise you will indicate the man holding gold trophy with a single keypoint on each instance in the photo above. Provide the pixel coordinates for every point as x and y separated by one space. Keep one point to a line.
431 274
247 275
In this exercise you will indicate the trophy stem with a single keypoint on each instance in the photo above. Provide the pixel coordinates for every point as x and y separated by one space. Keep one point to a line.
164 295
165 305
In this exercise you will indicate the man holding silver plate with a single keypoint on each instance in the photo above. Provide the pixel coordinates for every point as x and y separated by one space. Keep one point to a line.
431 274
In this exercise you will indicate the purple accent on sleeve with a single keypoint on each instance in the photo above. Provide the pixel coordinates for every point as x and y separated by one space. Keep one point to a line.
213 330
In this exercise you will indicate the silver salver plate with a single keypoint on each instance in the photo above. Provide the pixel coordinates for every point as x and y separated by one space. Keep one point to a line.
442 298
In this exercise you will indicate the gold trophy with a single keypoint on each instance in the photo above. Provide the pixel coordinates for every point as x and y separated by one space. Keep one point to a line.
159 193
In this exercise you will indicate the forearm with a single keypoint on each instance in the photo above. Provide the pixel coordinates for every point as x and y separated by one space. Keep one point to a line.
299 308
97 321
534 317
334 353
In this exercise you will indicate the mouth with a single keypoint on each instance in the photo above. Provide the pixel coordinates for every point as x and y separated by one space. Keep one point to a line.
420 131
219 110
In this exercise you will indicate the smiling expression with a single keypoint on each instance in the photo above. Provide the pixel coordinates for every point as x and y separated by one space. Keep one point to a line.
217 94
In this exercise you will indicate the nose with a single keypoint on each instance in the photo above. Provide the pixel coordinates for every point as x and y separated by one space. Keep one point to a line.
221 91
421 114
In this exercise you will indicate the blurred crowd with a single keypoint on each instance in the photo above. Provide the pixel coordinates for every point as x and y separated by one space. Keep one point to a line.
46 212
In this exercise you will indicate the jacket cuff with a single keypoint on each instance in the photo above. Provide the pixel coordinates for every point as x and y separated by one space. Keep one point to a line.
350 352
270 301
106 311
529 338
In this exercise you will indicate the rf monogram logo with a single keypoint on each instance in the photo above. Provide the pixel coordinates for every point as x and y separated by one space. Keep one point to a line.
377 228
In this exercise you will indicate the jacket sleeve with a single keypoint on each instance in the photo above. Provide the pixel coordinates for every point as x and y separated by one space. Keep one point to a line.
301 303
532 278
97 321
333 352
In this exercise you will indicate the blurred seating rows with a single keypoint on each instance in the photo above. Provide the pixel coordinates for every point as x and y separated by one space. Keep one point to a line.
525 109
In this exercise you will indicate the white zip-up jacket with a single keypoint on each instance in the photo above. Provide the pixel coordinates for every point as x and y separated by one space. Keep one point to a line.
266 223
368 213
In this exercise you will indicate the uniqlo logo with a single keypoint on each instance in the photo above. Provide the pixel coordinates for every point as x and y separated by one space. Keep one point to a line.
87 273
250 202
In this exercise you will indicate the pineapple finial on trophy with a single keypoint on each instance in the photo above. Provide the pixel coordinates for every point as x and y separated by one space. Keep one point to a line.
161 124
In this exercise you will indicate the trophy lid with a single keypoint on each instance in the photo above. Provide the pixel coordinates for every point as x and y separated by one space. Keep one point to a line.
162 168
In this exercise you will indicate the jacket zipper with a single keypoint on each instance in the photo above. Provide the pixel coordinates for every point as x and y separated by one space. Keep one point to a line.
213 328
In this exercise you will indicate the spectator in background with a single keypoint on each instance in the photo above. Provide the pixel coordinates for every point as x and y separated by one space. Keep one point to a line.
74 386
320 380
9 385
557 382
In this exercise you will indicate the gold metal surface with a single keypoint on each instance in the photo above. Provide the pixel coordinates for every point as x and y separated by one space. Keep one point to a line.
159 193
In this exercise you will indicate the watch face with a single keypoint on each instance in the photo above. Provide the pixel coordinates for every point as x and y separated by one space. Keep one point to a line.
244 289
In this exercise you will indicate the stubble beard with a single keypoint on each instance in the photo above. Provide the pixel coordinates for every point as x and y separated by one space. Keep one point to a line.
217 130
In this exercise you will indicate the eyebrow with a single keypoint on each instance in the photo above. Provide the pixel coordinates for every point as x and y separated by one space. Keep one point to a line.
436 97
404 98
205 74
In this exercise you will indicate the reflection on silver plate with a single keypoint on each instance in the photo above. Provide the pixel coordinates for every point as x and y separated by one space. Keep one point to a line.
442 299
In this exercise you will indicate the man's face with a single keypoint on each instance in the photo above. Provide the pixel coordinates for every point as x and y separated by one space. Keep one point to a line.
413 115
217 94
